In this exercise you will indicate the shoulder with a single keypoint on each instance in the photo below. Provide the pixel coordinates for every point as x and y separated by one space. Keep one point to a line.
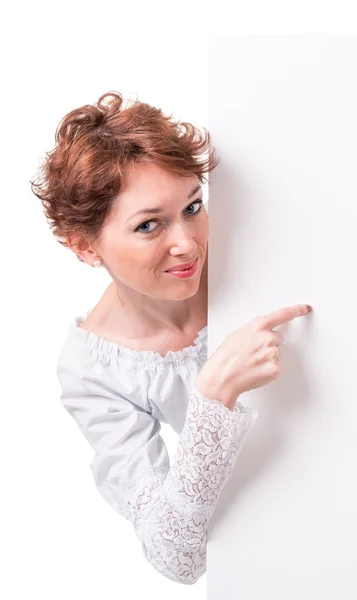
107 322
96 321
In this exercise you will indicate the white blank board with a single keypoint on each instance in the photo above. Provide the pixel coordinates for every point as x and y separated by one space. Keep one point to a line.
283 231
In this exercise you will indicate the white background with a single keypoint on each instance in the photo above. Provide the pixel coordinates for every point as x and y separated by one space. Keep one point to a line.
287 525
58 538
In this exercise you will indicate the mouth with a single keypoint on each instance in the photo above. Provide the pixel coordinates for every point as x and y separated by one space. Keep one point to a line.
184 273
185 267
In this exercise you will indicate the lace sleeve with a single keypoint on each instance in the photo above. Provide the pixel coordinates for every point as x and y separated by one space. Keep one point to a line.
170 512
169 506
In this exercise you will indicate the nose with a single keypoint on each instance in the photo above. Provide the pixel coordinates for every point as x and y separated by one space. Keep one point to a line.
183 239
186 248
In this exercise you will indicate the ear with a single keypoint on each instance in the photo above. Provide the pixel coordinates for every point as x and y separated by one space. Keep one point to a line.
81 248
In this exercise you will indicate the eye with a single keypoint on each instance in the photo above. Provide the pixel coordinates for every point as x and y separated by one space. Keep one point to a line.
199 202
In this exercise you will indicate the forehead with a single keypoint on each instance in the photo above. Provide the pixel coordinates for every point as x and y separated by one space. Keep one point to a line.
146 182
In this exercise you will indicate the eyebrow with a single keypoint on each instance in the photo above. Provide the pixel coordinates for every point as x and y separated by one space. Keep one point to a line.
158 210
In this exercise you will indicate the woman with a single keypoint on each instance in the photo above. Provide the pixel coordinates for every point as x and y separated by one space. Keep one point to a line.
134 361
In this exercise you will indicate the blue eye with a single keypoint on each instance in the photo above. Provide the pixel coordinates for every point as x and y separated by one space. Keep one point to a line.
199 202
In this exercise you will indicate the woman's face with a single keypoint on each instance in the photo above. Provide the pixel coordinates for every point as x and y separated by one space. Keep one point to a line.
137 249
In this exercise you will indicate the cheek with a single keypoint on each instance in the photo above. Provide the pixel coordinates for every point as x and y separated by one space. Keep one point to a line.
204 231
131 262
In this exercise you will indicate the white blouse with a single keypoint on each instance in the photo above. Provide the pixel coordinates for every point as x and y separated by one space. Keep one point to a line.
118 397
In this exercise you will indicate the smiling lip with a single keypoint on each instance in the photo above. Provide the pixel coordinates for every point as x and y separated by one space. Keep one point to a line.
185 273
182 267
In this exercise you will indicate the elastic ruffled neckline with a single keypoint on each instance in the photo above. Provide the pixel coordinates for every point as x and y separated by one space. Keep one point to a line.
197 351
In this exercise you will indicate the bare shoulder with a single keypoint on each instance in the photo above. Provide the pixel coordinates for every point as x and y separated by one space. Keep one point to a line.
106 320
95 320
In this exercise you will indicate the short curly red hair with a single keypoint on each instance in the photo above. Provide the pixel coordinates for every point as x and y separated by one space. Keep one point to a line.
83 174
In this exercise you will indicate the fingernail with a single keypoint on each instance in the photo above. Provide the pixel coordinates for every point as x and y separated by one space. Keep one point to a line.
309 308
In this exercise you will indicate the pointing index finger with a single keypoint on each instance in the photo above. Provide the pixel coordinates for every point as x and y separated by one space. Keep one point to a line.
284 315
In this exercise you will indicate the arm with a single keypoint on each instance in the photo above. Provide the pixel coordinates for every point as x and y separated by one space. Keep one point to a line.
173 526
169 506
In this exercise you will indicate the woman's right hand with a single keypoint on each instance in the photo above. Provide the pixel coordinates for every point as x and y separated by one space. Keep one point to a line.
247 358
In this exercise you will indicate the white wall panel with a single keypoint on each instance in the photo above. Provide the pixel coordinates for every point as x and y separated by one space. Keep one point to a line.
283 208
